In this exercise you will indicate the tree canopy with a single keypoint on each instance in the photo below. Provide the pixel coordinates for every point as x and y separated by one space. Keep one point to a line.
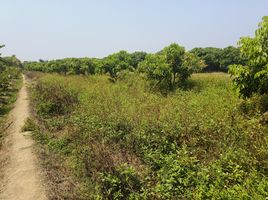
117 62
171 66
111 64
253 76
218 59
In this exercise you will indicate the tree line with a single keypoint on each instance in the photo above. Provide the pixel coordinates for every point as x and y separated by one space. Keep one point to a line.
168 67
173 64
216 59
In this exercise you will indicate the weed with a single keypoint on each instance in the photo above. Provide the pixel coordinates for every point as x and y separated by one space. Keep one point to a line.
123 141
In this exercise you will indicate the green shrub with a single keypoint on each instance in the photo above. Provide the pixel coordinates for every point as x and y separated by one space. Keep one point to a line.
10 83
54 99
123 141
177 176
256 104
253 77
122 184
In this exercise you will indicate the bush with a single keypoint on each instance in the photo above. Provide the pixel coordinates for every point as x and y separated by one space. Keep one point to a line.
256 104
121 141
122 184
9 86
177 176
54 99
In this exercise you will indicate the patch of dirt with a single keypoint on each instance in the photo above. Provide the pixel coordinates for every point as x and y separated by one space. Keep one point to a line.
21 177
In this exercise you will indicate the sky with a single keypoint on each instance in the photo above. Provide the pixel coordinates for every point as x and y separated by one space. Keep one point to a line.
52 29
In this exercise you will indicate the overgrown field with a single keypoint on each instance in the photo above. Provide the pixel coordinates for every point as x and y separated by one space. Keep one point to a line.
124 141
10 82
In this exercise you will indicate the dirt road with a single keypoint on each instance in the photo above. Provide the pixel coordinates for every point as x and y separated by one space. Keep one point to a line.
22 179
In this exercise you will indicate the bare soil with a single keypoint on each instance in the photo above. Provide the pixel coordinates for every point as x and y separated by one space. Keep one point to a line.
20 176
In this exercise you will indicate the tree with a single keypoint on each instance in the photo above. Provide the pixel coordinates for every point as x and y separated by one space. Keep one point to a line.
117 62
229 56
13 61
156 68
171 66
87 66
253 77
136 58
218 59
211 56
193 63
174 58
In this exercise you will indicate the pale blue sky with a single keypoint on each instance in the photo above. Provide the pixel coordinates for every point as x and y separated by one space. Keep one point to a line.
49 29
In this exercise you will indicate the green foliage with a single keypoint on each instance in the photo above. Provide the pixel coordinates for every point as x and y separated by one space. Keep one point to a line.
156 68
122 184
1 59
174 58
230 55
217 59
124 142
253 105
170 67
8 73
177 176
8 95
54 99
117 62
136 58
9 85
112 64
210 55
253 77
193 63
65 66
13 61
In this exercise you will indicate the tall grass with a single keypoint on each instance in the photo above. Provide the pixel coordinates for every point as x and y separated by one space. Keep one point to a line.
123 141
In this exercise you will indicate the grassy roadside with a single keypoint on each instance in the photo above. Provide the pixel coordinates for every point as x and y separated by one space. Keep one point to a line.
8 98
121 141
60 183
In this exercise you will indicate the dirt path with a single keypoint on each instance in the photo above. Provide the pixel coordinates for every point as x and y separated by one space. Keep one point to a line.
22 177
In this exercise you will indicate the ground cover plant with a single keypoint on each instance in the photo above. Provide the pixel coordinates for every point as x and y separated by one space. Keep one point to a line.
123 141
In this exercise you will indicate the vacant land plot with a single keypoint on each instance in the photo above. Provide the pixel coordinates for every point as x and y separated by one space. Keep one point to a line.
124 141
